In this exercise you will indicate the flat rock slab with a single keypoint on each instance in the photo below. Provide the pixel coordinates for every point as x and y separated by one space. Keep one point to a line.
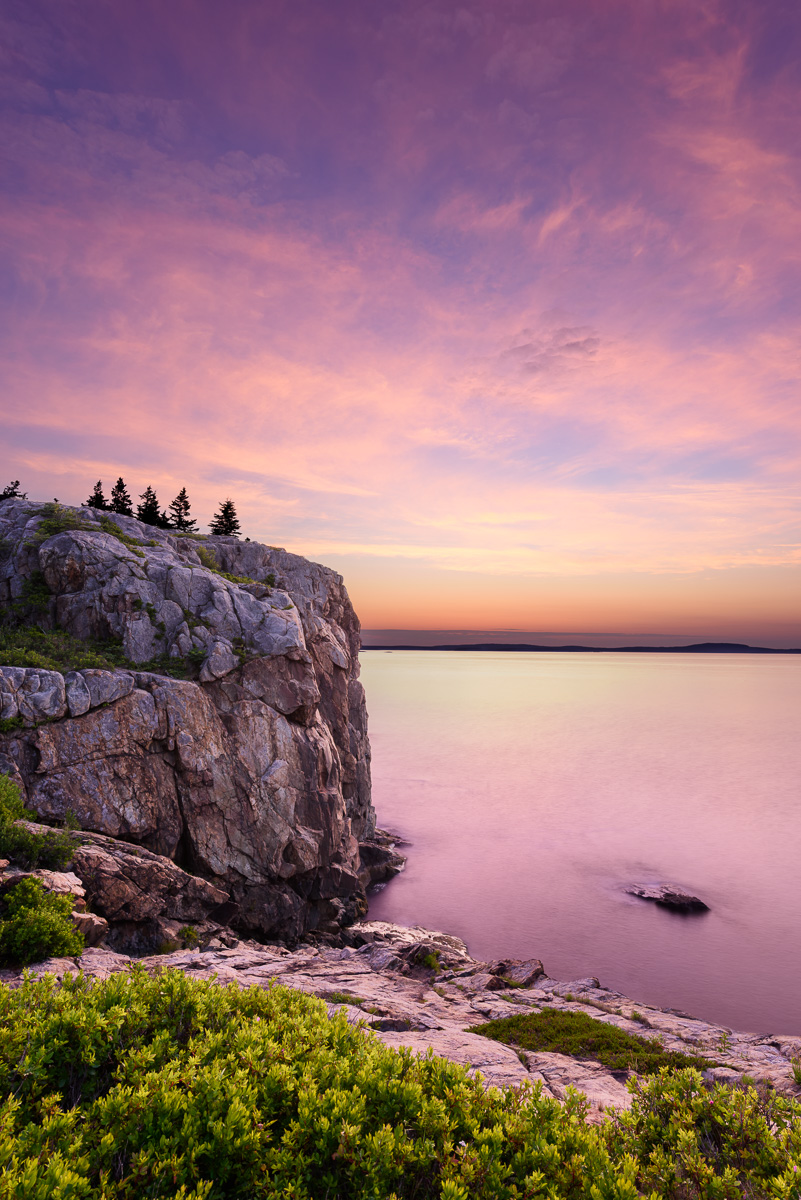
498 1064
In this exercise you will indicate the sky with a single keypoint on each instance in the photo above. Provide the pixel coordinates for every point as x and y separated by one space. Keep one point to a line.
494 308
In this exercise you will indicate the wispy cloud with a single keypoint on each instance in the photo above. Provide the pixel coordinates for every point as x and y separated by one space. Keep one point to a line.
504 292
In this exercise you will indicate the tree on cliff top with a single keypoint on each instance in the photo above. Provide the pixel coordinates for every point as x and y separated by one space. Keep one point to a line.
148 510
97 499
120 499
179 513
12 492
226 521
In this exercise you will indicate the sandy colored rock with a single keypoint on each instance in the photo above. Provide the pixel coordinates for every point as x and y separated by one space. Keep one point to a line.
92 928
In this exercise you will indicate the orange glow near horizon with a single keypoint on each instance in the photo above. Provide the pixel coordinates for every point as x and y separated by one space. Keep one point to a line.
494 310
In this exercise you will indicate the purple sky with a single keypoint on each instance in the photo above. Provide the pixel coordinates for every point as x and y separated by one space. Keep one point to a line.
494 308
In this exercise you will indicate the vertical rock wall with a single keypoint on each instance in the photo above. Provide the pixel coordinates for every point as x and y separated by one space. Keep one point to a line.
253 770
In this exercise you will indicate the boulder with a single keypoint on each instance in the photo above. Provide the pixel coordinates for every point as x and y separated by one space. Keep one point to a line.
92 927
32 694
515 971
60 883
380 860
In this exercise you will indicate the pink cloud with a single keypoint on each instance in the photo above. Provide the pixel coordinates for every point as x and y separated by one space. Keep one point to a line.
503 295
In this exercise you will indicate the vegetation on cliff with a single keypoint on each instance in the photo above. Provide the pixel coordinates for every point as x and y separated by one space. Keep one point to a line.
51 851
165 1087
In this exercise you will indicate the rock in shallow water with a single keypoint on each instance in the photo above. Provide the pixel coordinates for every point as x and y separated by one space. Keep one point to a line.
668 897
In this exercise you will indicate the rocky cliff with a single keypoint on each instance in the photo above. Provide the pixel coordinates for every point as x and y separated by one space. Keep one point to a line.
225 730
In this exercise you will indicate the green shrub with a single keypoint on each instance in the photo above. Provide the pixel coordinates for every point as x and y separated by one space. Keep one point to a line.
36 595
11 806
36 925
56 650
167 1087
56 518
52 850
343 998
727 1143
584 1037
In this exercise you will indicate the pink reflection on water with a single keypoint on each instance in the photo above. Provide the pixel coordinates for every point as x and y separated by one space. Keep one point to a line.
534 787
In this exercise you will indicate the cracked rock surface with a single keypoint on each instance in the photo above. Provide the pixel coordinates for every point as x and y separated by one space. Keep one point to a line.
255 775
381 984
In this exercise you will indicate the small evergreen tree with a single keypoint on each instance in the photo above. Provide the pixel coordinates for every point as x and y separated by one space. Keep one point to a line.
12 492
226 520
97 499
179 513
148 510
120 500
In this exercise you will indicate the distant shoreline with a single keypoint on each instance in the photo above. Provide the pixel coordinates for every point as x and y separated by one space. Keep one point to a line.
528 647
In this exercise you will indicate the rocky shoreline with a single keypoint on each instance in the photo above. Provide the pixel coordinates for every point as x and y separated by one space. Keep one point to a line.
421 989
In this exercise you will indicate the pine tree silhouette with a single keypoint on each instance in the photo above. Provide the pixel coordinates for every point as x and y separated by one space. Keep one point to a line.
12 492
179 513
149 511
226 520
120 500
97 499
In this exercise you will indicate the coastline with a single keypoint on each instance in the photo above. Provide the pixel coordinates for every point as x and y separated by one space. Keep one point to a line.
528 647
383 981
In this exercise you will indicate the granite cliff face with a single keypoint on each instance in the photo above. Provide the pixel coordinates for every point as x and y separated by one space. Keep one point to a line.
252 773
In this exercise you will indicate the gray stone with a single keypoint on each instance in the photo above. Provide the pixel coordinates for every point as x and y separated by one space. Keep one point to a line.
31 693
105 687
220 661
79 700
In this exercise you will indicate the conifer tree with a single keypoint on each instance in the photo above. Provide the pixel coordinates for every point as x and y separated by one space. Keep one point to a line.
148 510
97 499
120 500
12 492
179 513
226 520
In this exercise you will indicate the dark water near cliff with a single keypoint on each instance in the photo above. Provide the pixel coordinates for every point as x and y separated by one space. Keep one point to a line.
534 787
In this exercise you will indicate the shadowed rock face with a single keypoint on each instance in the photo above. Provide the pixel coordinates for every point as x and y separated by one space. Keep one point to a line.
257 776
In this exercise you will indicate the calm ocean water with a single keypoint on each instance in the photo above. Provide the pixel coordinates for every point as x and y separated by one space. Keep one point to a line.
534 787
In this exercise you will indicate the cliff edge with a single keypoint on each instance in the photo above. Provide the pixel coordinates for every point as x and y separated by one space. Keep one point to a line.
225 729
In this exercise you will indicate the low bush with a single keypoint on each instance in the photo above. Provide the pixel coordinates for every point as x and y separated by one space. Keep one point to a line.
57 518
167 1087
56 650
35 925
584 1037
343 998
52 850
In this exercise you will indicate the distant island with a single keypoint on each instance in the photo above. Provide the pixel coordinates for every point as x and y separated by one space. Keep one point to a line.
696 648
